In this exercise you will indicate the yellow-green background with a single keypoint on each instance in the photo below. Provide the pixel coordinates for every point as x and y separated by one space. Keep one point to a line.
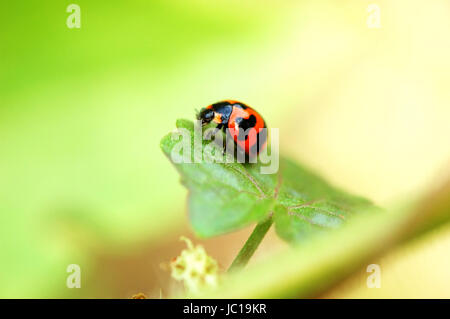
82 178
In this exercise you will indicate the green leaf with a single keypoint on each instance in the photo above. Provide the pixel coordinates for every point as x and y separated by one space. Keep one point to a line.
224 197
308 204
307 270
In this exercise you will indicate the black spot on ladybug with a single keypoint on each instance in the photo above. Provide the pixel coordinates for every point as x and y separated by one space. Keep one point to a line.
261 140
244 125
240 105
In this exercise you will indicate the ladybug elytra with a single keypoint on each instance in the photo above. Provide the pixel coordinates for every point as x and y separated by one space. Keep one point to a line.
240 121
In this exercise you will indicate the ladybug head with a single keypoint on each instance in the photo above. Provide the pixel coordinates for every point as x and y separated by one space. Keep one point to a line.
205 115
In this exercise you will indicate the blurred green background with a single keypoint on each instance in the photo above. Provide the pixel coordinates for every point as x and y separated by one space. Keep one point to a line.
82 111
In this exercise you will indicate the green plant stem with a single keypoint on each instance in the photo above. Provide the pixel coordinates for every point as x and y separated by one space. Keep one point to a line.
251 244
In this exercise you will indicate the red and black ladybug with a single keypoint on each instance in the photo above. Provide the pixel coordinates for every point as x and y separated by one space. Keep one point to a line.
244 124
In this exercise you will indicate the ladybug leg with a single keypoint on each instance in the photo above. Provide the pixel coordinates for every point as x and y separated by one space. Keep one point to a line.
217 128
227 135
224 150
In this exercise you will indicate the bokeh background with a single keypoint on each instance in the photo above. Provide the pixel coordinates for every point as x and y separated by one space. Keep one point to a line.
82 111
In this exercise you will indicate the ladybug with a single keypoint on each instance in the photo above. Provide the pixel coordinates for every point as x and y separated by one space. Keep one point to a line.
240 121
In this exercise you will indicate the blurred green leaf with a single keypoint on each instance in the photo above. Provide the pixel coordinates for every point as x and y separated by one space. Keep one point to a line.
227 196
310 267
77 128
